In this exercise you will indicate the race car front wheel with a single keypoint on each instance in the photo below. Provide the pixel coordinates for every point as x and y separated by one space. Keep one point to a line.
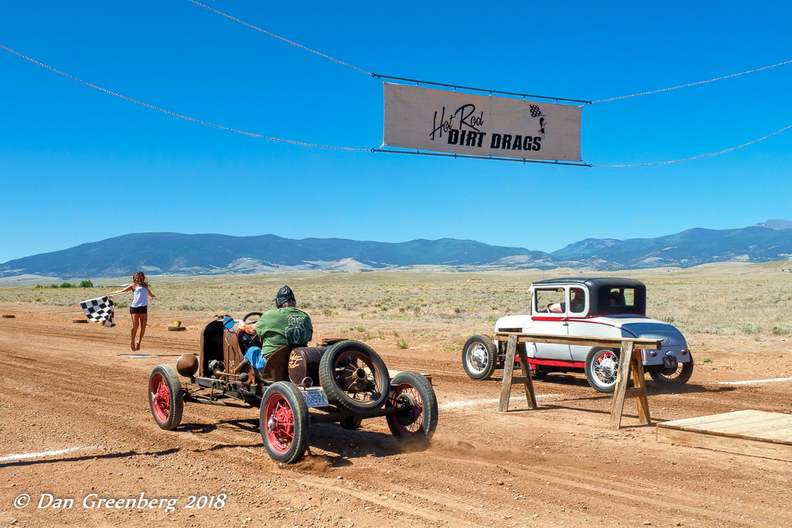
284 422
415 402
166 398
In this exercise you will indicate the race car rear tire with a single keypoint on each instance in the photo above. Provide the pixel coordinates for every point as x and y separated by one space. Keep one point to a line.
479 357
414 398
284 422
166 397
354 377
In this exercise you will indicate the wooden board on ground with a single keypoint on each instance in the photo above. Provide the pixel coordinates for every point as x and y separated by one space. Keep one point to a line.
755 433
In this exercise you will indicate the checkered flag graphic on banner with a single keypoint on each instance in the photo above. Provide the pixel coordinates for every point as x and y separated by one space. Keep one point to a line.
535 111
99 310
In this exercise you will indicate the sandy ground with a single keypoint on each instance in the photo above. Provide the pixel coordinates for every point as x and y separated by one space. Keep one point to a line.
64 386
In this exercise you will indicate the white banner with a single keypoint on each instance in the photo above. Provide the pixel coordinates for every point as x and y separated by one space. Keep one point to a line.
480 125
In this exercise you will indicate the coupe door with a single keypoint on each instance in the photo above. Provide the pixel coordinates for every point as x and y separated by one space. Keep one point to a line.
549 316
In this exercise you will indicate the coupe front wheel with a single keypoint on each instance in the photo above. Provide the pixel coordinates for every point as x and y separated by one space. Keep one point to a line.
602 369
479 357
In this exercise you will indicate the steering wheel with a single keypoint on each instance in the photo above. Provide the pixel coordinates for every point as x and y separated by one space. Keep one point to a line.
251 314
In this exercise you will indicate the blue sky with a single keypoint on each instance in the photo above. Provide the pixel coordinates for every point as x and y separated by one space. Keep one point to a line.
78 165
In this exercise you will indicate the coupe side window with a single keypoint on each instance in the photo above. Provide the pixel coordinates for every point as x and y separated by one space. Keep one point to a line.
577 300
545 299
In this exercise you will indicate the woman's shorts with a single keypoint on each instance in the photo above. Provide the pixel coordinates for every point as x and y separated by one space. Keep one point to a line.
138 310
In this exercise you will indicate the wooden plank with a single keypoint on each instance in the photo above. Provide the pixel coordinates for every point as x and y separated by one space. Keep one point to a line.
606 342
526 379
722 421
740 446
750 426
622 379
710 418
508 371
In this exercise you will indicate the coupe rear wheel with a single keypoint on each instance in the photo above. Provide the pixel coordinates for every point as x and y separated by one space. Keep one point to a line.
602 368
673 377
479 357
284 423
166 398
416 408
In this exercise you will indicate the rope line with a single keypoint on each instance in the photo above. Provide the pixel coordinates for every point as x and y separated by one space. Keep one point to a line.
691 84
279 37
180 116
697 157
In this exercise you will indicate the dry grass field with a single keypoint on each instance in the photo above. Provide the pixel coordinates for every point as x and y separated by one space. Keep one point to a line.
69 387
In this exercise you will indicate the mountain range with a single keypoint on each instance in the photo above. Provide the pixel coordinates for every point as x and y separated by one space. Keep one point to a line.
206 254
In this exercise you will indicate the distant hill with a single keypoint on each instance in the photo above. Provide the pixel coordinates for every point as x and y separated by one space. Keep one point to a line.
157 253
205 254
685 249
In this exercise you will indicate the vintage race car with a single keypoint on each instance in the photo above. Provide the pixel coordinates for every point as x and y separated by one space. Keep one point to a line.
598 307
339 381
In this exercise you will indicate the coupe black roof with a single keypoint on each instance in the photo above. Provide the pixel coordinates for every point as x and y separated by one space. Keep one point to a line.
591 282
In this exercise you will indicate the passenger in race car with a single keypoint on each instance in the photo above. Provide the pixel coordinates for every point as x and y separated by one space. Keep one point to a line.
282 326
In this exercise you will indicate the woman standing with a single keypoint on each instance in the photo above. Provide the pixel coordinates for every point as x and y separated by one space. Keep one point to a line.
139 307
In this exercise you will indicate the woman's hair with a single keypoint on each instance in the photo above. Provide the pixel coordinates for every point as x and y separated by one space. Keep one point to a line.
139 278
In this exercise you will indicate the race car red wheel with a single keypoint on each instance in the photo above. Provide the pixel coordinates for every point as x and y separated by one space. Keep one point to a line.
284 422
354 377
416 407
166 398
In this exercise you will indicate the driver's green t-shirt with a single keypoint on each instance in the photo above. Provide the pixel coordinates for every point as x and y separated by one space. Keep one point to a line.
280 327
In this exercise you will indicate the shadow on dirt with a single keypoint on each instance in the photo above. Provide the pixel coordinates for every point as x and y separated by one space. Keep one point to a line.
125 454
340 444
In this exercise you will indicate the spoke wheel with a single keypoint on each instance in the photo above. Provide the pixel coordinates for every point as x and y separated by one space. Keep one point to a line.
166 398
416 405
284 422
602 369
479 357
354 377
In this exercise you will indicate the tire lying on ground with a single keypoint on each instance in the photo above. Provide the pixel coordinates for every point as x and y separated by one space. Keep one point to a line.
354 377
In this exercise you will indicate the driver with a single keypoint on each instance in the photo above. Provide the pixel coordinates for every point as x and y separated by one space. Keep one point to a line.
283 326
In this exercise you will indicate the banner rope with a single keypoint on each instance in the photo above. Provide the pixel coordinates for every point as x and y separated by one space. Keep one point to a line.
691 84
697 157
180 116
279 37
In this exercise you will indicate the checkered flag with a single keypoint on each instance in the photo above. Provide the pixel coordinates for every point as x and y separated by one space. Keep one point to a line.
535 111
99 310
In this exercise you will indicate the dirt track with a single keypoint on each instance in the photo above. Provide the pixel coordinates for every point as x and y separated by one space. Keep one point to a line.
64 386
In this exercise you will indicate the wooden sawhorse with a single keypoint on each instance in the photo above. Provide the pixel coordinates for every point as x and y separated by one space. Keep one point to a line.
629 363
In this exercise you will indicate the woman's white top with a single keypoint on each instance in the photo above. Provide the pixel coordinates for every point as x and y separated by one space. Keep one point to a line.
140 297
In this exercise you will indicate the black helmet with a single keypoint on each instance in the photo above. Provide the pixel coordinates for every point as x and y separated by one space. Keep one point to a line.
284 296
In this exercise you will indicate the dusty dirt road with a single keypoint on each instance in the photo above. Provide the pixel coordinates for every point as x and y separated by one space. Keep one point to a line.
64 386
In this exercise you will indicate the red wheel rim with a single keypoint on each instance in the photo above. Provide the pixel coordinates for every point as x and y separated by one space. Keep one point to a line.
160 397
279 423
407 398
